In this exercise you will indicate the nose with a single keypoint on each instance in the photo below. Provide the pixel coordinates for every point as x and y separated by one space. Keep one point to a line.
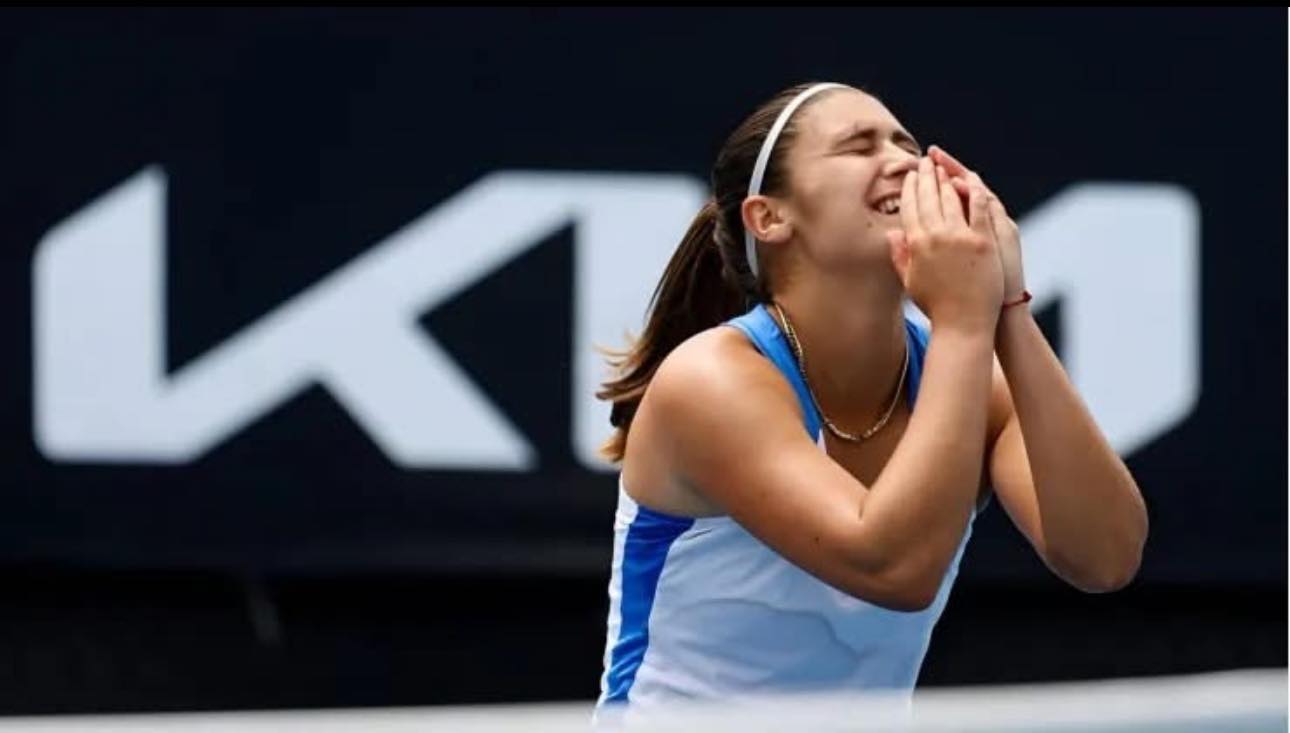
899 163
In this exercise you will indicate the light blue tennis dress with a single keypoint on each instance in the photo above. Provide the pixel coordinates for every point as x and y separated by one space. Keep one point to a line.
701 609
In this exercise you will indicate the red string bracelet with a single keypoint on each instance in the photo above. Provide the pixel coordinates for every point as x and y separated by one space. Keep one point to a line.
1023 298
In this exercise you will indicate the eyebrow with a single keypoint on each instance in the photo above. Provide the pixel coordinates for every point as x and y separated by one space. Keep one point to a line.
857 133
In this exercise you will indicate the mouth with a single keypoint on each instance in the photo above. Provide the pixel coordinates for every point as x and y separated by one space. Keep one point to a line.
888 205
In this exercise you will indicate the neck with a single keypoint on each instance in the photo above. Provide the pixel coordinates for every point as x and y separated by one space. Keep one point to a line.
852 336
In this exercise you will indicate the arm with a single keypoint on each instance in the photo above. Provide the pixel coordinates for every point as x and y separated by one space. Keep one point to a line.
1054 472
734 435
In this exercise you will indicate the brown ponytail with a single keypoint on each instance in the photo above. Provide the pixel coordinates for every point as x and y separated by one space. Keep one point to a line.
708 280
692 296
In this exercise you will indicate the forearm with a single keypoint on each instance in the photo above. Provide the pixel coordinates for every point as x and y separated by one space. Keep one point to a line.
918 508
1093 516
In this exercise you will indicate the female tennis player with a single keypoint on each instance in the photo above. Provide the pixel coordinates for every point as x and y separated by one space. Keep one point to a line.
799 478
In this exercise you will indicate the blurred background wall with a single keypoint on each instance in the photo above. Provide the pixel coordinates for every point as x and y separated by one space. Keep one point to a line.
299 313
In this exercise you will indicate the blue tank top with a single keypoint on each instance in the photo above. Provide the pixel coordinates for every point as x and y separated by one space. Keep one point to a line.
700 608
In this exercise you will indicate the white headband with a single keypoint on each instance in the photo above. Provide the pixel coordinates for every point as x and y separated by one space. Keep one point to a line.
759 170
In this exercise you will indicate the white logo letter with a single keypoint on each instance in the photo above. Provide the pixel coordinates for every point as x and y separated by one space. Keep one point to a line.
101 392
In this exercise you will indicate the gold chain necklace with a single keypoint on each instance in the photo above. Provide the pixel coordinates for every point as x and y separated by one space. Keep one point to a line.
801 366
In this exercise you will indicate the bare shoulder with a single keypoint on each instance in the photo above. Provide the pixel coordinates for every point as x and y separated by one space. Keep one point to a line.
696 417
715 370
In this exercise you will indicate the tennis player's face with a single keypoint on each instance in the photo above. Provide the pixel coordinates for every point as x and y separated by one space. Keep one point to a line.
845 171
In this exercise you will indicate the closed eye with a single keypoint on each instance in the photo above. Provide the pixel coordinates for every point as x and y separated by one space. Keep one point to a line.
863 141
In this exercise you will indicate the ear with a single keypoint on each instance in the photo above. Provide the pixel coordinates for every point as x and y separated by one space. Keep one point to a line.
766 219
